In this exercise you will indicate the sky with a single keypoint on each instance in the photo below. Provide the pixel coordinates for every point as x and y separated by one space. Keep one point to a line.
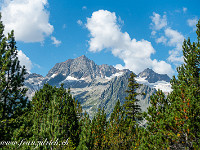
126 34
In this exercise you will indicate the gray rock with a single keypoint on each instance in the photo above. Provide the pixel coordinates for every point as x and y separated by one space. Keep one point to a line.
93 85
153 77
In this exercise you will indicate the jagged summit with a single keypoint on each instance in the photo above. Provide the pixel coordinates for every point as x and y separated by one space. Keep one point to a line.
82 57
82 67
152 76
95 85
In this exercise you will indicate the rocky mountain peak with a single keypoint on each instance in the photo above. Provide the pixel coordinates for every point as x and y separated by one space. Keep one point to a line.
94 85
152 76
81 67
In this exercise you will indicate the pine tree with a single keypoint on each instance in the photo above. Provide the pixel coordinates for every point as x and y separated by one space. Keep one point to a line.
86 133
13 100
159 128
98 127
54 117
185 97
116 130
132 109
174 121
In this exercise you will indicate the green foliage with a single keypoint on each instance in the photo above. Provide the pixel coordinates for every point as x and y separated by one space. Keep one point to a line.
53 118
85 136
131 106
185 97
99 125
13 101
116 132
174 121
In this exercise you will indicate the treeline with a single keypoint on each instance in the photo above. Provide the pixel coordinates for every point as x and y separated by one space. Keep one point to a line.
54 119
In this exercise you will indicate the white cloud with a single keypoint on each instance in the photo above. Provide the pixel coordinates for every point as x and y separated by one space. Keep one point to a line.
161 39
175 38
170 38
192 23
28 18
79 22
105 33
84 8
184 9
175 56
162 67
158 22
153 33
24 61
55 41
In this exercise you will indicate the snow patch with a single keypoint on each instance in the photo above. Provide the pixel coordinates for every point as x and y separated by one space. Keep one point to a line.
141 80
115 75
162 85
71 78
53 75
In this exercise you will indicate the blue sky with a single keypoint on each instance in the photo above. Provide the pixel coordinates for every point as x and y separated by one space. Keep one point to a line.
126 34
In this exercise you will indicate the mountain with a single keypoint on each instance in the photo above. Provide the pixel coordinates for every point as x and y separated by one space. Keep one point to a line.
154 80
95 85
153 77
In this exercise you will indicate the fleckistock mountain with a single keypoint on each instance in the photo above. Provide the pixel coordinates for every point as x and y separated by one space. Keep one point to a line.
97 85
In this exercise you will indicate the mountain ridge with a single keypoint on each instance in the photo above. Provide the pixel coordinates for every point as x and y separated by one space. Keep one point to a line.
93 85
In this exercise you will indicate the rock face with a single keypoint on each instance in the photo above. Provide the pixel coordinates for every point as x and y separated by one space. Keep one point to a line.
93 85
153 77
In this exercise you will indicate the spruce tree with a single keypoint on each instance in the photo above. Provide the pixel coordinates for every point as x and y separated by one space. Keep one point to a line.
132 109
13 100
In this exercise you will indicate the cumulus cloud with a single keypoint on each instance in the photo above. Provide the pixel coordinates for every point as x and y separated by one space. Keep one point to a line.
28 18
55 41
192 23
161 39
24 61
175 38
105 33
158 22
171 38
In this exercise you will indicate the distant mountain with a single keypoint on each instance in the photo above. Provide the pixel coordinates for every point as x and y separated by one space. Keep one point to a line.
95 85
82 67
154 80
153 77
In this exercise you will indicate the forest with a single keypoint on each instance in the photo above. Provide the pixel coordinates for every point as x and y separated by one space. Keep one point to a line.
55 120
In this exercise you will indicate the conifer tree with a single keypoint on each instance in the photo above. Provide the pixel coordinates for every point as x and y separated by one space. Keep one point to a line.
13 100
86 133
185 97
159 127
116 130
54 117
99 125
132 109
174 122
